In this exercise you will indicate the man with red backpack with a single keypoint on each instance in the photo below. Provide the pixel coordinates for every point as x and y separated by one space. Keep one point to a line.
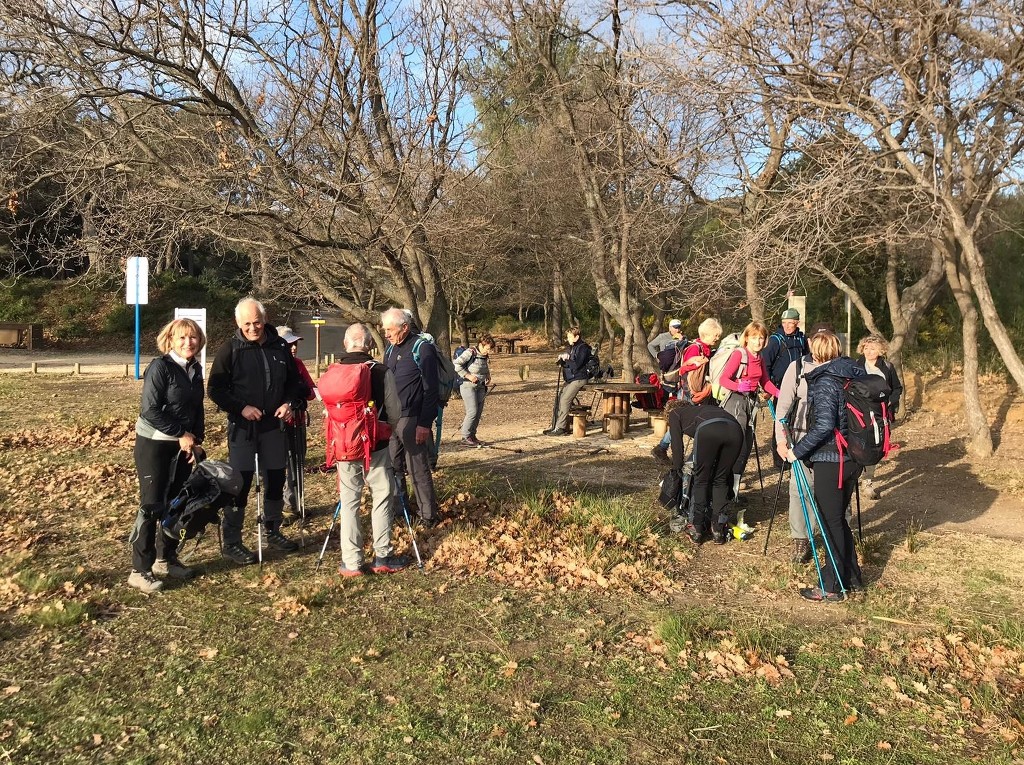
362 410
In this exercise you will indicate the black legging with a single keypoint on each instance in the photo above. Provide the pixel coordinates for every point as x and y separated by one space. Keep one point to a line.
715 448
155 461
832 503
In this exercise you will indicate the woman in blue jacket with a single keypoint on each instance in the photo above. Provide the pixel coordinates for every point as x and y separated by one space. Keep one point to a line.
835 475
168 432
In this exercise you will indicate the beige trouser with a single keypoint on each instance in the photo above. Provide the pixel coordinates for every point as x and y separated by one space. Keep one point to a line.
351 480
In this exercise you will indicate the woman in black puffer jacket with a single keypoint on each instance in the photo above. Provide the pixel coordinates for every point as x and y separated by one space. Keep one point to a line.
835 475
168 433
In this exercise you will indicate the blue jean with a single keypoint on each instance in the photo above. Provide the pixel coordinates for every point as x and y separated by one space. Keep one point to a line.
473 397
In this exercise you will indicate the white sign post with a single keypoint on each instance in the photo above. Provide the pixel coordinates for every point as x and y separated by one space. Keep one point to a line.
198 315
137 294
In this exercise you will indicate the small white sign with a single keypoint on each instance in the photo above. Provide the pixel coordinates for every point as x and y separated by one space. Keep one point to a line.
138 282
198 315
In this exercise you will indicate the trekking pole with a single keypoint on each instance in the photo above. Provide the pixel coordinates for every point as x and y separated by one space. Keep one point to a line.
334 520
408 521
558 390
806 495
860 529
259 511
775 507
757 451
801 477
300 471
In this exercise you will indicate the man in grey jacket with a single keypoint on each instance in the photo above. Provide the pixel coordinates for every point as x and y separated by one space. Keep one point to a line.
665 339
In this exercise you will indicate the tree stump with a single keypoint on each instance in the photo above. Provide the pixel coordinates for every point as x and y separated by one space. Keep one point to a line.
618 424
660 424
579 425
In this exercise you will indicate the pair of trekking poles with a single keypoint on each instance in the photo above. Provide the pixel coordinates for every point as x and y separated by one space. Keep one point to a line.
808 506
297 475
396 490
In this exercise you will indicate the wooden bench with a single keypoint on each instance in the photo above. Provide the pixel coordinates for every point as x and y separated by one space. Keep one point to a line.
28 335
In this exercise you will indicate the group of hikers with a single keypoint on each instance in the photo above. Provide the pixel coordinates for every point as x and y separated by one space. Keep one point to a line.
822 432
380 417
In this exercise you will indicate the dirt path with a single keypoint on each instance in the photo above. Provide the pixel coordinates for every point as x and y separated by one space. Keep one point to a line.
929 483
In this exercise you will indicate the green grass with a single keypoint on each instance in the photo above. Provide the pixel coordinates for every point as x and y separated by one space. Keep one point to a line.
243 666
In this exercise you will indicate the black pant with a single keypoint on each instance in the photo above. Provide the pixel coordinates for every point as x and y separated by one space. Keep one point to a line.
832 504
155 462
714 451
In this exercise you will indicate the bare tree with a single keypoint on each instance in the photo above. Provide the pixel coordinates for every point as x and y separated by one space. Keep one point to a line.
333 127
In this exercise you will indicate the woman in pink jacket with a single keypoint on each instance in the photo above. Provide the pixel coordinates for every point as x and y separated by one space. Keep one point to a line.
743 375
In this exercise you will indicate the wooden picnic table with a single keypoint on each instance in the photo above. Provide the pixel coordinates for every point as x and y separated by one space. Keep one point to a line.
505 343
615 398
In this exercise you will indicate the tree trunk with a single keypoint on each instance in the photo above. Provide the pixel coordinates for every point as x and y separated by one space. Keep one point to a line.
463 328
989 314
906 309
979 435
556 305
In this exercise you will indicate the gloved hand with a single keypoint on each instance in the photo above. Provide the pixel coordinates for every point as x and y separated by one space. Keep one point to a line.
746 386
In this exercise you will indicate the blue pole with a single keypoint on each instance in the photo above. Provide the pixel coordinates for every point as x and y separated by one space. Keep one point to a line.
137 331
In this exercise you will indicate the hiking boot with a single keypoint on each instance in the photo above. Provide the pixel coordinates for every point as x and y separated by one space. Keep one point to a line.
870 491
172 569
817 595
801 552
239 553
696 536
471 442
278 541
660 455
350 572
144 581
556 432
720 535
430 523
389 565
677 523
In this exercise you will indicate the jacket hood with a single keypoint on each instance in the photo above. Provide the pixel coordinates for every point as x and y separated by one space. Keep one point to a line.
843 367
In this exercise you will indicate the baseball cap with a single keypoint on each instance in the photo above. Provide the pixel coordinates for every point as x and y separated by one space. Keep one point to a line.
286 334
791 313
675 323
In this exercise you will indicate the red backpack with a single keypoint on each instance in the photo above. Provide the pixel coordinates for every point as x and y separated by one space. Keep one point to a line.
352 429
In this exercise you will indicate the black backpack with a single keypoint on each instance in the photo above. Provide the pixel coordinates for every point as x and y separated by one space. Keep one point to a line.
867 420
212 486
593 366
671 356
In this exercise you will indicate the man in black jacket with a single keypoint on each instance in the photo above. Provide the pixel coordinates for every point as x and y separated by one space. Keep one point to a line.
574 370
781 349
413 362
255 381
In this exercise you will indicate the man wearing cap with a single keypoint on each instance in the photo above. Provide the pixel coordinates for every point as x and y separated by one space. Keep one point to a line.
666 339
296 430
784 347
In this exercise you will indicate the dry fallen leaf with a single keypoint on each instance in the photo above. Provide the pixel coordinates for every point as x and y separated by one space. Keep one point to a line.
783 713
209 653
885 746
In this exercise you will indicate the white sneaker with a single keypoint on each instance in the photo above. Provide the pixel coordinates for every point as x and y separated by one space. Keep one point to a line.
172 569
145 582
